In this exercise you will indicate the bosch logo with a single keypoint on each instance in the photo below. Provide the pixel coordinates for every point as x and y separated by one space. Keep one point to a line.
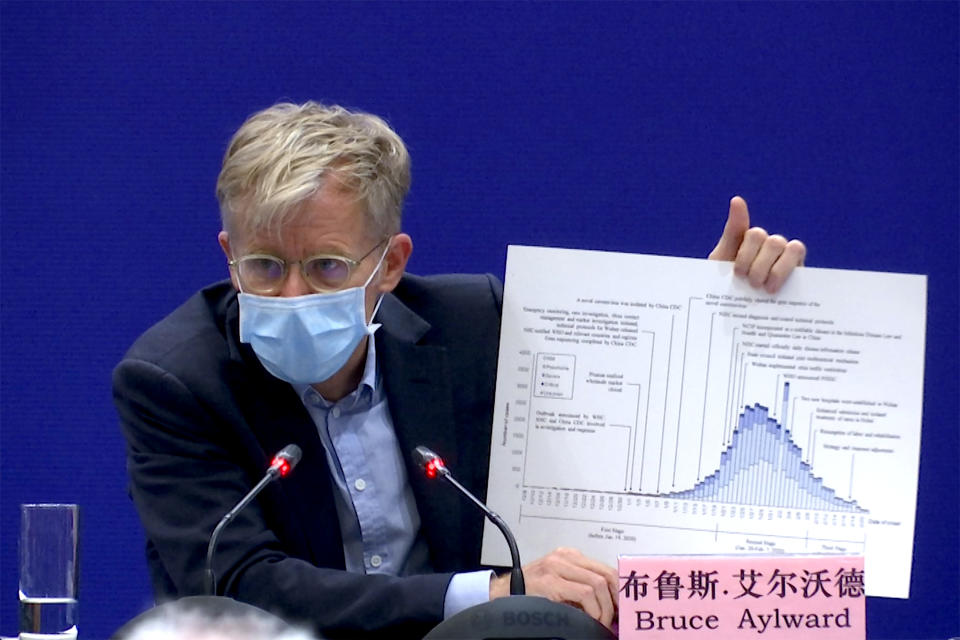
535 619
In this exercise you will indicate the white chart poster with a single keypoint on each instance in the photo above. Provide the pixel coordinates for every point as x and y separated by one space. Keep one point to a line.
655 405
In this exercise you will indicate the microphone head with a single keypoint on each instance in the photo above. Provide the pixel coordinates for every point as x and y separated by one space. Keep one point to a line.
286 459
430 462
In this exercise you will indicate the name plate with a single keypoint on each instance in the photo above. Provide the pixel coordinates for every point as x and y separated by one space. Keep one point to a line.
782 596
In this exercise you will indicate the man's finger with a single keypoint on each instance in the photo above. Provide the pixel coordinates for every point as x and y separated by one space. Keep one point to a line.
771 249
591 589
738 221
575 594
609 573
753 240
793 256
566 575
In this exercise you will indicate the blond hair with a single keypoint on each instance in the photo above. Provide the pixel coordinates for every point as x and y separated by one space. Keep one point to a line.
282 155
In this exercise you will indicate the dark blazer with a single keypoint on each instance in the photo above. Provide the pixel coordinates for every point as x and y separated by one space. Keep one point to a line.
202 418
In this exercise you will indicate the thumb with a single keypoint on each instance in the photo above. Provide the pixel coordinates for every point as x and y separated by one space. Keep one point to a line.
738 221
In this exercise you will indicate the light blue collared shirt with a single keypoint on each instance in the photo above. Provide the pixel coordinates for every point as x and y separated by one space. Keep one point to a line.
379 522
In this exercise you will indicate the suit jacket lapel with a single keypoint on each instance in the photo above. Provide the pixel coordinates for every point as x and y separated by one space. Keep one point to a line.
418 384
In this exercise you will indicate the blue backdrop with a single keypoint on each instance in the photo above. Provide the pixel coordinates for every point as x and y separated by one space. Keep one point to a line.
608 126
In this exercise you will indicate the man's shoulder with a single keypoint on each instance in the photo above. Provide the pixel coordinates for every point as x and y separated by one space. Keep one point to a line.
444 309
197 325
454 290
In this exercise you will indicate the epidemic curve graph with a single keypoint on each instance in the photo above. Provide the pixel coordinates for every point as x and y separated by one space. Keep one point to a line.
675 410
763 467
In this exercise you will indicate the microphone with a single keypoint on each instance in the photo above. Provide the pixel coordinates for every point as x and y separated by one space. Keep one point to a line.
280 467
433 466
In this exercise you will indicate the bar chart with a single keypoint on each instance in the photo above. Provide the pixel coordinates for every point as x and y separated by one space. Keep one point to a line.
681 411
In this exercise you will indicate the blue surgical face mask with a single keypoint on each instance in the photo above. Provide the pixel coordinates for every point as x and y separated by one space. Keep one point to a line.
306 339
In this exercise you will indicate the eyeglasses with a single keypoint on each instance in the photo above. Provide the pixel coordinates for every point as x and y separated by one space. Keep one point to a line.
264 274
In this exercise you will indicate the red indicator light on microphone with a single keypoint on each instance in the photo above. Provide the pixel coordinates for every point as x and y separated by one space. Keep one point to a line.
433 467
281 465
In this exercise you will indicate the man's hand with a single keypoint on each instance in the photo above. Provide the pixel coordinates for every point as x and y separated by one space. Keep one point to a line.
765 260
566 575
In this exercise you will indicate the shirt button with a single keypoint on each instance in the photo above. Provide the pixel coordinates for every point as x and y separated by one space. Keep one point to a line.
375 561
336 412
360 484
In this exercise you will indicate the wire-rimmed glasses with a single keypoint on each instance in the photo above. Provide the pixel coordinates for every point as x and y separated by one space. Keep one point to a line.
264 274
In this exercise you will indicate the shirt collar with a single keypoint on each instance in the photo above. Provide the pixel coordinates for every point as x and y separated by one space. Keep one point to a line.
369 378
368 381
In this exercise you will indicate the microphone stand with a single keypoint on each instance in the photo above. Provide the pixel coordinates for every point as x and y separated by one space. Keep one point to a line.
211 577
508 617
517 586
281 465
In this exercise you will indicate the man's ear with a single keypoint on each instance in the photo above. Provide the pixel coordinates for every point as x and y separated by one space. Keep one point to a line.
224 239
395 262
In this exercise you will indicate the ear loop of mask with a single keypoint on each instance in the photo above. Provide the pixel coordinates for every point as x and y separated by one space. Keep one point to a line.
376 269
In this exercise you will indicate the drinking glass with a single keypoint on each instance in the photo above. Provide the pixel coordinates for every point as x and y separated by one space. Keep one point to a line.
49 571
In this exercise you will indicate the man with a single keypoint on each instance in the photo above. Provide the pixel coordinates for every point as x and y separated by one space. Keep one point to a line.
355 541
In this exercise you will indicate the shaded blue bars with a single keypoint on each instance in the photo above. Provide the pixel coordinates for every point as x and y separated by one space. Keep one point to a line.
763 467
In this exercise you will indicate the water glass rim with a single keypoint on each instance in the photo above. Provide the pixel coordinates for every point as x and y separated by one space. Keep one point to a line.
46 505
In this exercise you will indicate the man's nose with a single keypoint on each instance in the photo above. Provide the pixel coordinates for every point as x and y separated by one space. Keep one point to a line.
294 284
